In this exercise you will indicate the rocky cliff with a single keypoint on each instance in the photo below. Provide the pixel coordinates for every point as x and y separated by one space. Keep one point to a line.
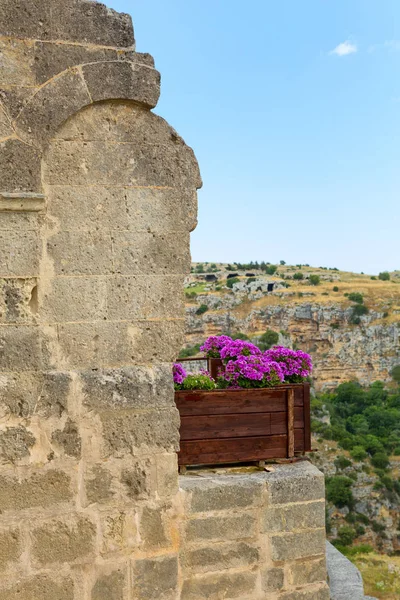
320 319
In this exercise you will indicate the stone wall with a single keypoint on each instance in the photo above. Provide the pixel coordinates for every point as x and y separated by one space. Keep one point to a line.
254 536
97 199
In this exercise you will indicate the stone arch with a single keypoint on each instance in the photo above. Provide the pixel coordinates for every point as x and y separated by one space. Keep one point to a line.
73 89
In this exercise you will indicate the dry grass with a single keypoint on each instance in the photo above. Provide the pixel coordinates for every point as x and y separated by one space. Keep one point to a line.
381 575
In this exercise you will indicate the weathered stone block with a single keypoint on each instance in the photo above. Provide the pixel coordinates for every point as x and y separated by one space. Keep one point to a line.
81 253
85 208
25 19
221 556
90 23
19 253
17 59
161 210
218 586
167 474
40 587
157 340
129 387
109 587
40 489
98 485
10 547
301 483
295 517
19 348
142 297
21 221
152 528
118 531
319 593
68 439
151 253
272 580
17 300
88 163
137 480
74 299
128 433
51 59
14 99
6 129
306 572
25 394
292 546
51 106
155 579
227 493
241 526
15 443
63 541
123 80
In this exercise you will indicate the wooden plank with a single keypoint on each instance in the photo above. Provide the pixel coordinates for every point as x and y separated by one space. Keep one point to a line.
279 421
290 422
232 402
232 450
299 440
225 426
307 418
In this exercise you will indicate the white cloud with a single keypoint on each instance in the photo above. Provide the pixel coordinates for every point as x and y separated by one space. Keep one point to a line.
344 49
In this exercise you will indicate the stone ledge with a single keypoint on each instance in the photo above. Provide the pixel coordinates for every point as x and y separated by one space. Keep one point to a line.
21 202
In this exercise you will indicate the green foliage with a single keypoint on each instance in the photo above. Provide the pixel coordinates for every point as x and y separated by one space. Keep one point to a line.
358 453
346 535
271 269
315 279
202 309
395 373
357 312
335 288
268 339
190 351
230 282
378 527
197 382
299 276
384 276
190 295
341 462
356 297
239 336
199 268
338 491
250 280
380 460
282 262
373 278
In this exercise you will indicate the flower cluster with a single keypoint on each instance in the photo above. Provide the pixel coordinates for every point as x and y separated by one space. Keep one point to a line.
214 344
296 365
179 373
246 366
234 349
251 371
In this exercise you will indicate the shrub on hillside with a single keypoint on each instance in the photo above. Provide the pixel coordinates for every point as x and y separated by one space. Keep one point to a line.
335 288
299 276
380 460
202 309
338 491
356 297
384 276
346 535
358 453
230 282
341 462
189 351
268 339
315 279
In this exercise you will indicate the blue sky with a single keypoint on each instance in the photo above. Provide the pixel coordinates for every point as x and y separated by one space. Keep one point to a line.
292 109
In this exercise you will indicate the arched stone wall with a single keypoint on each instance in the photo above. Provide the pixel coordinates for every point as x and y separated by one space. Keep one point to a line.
97 199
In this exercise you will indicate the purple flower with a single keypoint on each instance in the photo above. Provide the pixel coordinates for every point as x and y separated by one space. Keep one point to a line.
214 344
179 373
252 371
296 365
237 348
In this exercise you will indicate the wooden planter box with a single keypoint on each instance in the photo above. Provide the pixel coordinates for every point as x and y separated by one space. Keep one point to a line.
230 426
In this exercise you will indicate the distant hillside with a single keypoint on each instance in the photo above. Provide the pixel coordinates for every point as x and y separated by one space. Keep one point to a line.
348 322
